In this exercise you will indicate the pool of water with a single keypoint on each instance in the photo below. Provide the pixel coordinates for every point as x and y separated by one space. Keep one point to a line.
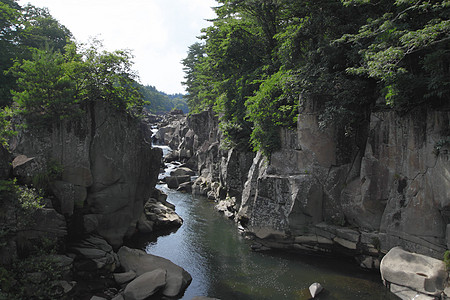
223 266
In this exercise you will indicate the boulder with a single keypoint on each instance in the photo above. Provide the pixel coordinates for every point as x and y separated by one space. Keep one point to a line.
177 279
145 285
68 196
25 168
315 289
122 278
182 171
157 215
418 272
104 152
5 163
43 223
96 249
185 187
173 182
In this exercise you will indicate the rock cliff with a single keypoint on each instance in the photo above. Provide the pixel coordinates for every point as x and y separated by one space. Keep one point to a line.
100 167
387 184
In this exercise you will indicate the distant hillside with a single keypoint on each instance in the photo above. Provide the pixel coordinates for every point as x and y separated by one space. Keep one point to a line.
162 102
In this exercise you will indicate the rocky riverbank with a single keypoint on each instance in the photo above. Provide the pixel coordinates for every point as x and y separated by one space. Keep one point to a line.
358 195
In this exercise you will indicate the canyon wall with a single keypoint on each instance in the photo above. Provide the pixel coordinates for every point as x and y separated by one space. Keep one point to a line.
387 184
101 168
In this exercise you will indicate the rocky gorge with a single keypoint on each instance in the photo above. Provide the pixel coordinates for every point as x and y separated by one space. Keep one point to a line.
360 195
96 175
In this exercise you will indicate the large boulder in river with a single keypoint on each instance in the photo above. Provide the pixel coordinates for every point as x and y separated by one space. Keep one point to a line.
417 272
177 279
173 182
156 215
96 250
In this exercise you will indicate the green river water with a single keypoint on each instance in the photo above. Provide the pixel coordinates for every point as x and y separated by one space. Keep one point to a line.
223 266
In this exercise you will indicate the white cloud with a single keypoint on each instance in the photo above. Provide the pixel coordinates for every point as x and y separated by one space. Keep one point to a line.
158 31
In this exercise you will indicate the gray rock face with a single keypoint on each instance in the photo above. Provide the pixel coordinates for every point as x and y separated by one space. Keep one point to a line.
96 249
145 285
45 223
5 163
388 182
414 271
177 279
156 215
397 189
108 168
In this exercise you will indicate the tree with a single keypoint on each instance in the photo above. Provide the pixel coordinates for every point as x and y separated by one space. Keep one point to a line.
21 31
406 46
53 86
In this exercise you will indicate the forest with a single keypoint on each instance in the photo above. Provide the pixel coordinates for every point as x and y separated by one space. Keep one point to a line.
259 58
46 75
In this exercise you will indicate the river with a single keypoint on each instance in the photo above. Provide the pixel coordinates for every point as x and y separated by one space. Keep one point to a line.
223 266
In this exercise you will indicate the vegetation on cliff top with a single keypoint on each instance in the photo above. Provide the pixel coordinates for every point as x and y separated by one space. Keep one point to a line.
258 57
45 75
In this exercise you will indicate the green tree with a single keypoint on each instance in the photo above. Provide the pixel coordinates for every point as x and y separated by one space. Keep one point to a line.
53 86
406 46
21 31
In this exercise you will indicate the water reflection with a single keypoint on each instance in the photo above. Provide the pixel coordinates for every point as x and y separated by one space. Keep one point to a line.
222 265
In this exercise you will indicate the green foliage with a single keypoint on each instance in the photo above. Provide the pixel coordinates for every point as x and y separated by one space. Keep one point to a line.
6 130
53 86
25 199
407 48
23 29
158 102
258 57
447 259
272 107
33 277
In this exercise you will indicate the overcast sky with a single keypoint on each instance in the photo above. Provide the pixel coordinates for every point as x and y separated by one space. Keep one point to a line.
158 32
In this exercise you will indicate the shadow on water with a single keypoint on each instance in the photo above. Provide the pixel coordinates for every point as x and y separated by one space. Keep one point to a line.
223 266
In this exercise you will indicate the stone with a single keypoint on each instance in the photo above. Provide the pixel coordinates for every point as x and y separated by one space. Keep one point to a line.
97 298
96 249
78 175
177 279
315 289
26 168
68 195
122 278
104 150
204 298
406 293
5 163
182 171
145 285
118 297
173 182
145 225
46 223
418 272
158 216
185 187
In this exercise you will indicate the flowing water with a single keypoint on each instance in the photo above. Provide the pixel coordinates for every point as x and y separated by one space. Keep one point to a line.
222 265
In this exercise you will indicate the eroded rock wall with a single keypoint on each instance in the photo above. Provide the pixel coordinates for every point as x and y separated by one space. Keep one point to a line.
384 184
321 193
108 169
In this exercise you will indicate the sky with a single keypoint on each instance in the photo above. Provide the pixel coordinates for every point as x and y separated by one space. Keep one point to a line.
158 32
